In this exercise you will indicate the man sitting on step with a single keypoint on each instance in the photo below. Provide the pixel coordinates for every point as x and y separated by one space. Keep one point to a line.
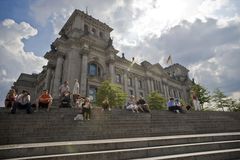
44 100
142 103
22 102
172 106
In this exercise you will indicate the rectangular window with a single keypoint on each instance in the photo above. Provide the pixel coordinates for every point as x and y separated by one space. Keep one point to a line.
141 94
130 81
175 94
130 92
180 96
140 84
169 92
92 70
118 78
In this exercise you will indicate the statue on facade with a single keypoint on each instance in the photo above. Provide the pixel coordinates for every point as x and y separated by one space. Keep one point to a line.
53 48
110 41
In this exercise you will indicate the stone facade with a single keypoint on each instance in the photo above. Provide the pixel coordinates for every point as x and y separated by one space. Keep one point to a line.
85 52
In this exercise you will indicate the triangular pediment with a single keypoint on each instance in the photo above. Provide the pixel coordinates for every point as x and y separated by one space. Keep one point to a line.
158 69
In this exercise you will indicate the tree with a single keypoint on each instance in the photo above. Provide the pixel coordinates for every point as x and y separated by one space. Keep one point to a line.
201 93
156 101
234 105
220 99
115 94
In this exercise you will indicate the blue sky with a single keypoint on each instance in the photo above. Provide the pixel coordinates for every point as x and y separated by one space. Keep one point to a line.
203 35
19 11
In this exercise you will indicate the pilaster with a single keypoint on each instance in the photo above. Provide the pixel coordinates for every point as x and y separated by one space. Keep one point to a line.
58 74
84 70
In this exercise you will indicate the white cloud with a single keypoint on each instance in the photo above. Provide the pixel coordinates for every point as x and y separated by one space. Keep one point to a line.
235 95
209 7
203 35
14 59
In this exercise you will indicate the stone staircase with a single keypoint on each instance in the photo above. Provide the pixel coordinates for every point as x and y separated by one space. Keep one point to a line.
120 134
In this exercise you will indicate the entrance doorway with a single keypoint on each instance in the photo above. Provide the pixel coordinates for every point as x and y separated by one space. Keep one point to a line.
92 93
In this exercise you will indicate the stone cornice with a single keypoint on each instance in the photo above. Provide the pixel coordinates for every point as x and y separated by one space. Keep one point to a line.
61 54
111 49
110 61
50 55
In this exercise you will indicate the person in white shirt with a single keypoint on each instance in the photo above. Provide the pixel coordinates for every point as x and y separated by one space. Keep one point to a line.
131 105
64 88
76 87
196 103
75 91
22 102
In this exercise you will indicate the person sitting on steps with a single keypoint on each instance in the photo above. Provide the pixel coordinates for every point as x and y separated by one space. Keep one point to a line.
131 105
22 102
44 100
173 107
86 108
66 100
75 92
63 89
105 104
142 104
10 98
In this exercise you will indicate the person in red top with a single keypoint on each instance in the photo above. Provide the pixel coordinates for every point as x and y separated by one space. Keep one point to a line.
10 98
44 100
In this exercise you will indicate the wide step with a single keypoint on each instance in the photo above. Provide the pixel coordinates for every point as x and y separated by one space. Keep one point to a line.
227 154
127 148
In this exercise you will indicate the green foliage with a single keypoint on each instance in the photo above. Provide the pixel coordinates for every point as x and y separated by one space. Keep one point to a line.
234 105
220 99
202 93
115 94
156 101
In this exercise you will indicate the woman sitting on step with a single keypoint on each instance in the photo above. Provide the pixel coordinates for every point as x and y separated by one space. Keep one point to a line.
86 109
132 105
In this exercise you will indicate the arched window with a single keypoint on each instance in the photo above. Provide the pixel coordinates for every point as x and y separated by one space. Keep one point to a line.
94 31
94 69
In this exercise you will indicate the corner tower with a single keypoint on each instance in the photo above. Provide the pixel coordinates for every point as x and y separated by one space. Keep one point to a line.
84 51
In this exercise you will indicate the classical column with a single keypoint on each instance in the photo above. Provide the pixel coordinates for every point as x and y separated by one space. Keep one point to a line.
83 82
47 79
51 82
161 86
184 94
167 90
125 78
111 71
152 81
73 67
136 87
149 86
57 76
178 94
